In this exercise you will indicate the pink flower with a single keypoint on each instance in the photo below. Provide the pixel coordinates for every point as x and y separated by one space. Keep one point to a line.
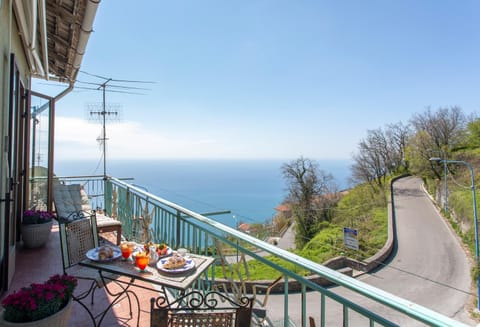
39 300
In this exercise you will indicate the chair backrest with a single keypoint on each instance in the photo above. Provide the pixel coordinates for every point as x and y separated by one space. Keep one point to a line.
200 310
234 281
234 274
76 238
69 200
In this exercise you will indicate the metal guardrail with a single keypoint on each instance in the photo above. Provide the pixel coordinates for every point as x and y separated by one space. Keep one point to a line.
146 216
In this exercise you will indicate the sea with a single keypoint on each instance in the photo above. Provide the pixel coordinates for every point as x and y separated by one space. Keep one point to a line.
249 189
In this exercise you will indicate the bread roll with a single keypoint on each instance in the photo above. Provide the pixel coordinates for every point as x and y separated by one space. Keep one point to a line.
105 252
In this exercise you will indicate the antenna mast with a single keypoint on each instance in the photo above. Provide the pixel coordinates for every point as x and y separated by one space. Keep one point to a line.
104 139
102 114
119 86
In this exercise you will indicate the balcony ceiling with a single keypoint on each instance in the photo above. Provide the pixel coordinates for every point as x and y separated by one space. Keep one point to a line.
64 20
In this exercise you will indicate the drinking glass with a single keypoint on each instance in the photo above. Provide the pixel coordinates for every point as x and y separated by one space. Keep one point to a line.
141 260
126 250
153 255
182 252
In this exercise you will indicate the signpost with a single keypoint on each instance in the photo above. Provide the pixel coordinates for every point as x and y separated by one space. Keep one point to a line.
350 238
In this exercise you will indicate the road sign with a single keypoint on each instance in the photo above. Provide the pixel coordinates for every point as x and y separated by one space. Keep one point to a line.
350 238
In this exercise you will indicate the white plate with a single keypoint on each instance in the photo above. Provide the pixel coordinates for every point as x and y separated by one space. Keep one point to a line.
190 264
92 254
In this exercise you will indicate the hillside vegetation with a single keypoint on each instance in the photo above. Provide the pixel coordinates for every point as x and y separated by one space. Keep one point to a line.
386 152
320 211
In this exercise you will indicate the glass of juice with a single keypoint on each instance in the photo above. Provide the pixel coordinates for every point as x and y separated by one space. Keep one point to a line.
141 260
126 250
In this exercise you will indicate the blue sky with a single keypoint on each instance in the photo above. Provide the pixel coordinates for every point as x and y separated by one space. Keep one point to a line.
269 79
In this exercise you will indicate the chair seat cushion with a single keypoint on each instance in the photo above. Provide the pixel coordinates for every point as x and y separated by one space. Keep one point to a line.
68 199
104 221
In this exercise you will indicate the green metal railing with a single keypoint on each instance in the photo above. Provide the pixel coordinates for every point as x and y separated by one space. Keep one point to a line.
146 217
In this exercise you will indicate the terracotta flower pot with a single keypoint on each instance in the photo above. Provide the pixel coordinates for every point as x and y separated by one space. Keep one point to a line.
36 235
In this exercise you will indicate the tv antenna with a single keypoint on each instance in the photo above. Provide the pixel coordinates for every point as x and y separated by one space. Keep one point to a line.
112 112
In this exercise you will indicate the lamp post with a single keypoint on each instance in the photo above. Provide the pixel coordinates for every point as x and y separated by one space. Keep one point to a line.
475 218
445 185
445 182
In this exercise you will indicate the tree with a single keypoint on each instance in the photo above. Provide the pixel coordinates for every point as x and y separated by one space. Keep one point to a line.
437 134
419 150
373 161
445 126
398 135
473 134
381 153
310 193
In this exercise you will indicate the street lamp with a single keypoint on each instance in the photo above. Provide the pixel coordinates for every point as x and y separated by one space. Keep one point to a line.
445 203
475 219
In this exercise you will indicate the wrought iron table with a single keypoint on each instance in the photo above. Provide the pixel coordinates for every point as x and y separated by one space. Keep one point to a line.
176 281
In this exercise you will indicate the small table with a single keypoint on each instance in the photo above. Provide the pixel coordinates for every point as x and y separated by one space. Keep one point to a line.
178 281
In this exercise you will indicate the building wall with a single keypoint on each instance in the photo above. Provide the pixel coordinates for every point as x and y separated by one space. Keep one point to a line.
10 42
4 78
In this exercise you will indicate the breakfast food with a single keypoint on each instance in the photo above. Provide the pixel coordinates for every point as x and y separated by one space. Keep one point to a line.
175 262
161 248
105 252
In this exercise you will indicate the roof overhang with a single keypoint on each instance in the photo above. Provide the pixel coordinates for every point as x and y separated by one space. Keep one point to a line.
55 35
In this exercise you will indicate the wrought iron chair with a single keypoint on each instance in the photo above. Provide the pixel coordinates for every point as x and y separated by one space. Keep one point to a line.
238 284
197 309
76 238
71 199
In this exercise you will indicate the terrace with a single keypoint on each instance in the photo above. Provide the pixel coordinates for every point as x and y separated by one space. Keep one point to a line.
49 41
297 300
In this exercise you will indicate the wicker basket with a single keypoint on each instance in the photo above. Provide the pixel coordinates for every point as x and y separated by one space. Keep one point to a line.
36 235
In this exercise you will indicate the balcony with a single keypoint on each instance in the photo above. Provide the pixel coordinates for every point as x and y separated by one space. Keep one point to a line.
296 299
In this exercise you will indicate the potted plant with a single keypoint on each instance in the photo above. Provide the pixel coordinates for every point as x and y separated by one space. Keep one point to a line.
47 304
36 227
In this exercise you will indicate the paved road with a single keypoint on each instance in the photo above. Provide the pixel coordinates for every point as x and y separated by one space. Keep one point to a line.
287 241
429 267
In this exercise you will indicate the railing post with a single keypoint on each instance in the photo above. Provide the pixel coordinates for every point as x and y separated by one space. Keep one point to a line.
177 232
304 305
285 303
322 310
107 196
129 214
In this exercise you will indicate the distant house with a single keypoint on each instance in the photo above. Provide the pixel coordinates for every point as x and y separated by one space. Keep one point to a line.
285 210
244 228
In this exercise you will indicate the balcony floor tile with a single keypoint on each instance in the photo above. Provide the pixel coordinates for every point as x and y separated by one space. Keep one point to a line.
37 265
